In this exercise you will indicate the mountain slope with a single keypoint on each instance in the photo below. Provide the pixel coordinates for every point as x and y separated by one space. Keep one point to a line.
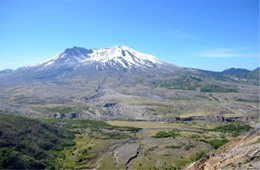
103 58
28 143
235 71
91 63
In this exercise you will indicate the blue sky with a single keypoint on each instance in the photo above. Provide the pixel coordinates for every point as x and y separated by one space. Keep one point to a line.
206 34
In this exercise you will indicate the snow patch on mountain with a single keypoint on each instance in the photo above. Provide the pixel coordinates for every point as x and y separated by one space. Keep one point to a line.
118 56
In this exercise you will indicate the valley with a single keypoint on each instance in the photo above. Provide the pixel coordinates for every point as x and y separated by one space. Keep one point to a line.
116 108
123 144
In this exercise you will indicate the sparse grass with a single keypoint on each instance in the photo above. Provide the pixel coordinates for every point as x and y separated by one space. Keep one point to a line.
217 89
234 129
57 109
91 124
196 114
157 125
215 143
79 155
203 97
51 142
184 83
173 147
152 149
95 137
198 156
188 147
182 162
247 100
111 135
164 134
194 136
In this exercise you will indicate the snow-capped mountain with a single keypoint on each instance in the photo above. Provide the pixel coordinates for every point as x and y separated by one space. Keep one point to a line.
118 57
81 63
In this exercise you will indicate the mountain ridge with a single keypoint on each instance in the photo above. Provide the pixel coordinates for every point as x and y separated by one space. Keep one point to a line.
235 71
76 56
101 58
98 63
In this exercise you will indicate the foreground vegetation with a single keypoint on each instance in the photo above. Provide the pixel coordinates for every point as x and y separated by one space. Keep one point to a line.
163 134
67 144
37 144
27 143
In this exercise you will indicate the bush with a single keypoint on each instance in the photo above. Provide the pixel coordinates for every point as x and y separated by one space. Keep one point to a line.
195 136
172 147
234 129
183 83
6 155
216 143
217 89
164 134
198 156
188 147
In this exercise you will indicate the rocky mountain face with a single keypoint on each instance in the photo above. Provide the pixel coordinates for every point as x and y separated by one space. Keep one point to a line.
81 62
119 57
77 61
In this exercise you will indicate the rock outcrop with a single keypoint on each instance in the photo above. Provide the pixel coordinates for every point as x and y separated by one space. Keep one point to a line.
240 153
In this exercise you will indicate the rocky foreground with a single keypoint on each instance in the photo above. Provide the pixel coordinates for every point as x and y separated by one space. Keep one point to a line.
240 153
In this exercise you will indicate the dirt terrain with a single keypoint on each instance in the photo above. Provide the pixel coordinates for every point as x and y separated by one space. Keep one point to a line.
240 153
152 146
89 144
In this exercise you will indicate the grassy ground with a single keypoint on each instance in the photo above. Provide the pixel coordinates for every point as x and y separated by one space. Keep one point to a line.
173 145
154 125
88 144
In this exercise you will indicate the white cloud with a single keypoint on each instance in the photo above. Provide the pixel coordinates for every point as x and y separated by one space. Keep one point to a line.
228 53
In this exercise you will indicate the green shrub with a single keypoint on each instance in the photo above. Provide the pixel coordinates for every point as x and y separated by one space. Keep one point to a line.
6 155
217 89
172 147
114 135
195 136
198 156
234 129
164 134
216 143
246 100
188 147
184 83
91 124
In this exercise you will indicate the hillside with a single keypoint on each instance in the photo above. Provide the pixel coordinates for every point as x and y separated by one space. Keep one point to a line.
240 153
28 144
